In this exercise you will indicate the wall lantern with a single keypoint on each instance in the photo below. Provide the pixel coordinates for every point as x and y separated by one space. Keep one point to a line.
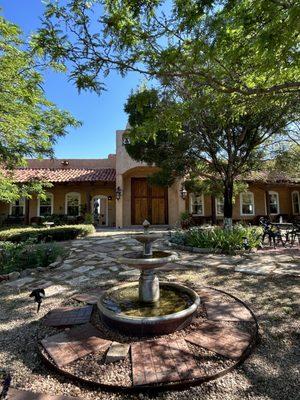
109 198
183 192
118 193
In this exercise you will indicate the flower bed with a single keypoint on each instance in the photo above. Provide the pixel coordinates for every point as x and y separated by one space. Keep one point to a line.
217 239
59 233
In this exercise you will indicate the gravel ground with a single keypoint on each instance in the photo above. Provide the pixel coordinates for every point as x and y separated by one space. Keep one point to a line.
272 372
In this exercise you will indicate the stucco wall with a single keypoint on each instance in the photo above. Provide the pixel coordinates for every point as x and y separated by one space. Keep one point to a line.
59 192
259 192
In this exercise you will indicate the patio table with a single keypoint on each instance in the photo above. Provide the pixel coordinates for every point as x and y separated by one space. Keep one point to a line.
282 225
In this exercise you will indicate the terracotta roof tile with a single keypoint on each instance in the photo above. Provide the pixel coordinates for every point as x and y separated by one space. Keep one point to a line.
23 175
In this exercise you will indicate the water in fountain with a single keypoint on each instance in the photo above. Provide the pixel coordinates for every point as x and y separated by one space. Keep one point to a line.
150 307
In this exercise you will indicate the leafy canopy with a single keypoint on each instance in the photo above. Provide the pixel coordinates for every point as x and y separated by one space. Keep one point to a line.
29 123
188 133
241 47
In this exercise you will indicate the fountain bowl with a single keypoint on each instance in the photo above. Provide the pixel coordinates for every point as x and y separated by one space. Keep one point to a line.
147 237
136 325
139 261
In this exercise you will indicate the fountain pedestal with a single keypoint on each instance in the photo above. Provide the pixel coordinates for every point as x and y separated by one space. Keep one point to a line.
148 286
138 308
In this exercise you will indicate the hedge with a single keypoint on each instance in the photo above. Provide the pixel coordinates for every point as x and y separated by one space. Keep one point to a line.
58 233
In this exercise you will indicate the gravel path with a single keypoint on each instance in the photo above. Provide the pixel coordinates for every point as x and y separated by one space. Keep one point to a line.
272 372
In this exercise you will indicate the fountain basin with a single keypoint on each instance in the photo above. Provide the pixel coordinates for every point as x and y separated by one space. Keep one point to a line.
139 261
147 237
121 310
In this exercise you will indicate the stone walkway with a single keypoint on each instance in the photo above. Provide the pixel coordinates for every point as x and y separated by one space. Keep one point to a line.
92 261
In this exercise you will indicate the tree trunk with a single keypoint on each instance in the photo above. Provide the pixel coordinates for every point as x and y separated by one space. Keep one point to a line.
228 207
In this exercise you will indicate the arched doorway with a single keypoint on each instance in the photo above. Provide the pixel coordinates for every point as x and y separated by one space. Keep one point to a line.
99 209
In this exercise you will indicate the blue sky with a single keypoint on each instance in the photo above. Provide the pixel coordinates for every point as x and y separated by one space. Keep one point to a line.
101 115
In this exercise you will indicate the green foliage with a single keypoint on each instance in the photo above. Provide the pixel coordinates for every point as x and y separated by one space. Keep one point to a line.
200 134
62 219
287 161
88 218
227 241
20 256
60 233
29 123
240 47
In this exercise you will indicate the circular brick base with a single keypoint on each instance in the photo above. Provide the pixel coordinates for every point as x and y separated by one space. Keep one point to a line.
225 341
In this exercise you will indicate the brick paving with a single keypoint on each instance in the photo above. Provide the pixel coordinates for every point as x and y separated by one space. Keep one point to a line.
14 394
68 346
225 340
218 311
162 360
65 316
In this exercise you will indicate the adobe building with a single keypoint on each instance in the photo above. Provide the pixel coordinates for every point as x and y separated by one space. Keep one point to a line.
116 193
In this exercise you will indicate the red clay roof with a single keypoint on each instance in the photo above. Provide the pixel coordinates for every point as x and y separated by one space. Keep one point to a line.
23 175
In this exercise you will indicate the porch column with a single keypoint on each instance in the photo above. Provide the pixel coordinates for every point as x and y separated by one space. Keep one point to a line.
213 210
88 202
267 203
119 203
27 212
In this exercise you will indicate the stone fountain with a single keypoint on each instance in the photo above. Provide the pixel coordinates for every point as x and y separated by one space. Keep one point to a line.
150 307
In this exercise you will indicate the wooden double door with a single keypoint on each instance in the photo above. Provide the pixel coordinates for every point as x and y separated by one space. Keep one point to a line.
148 202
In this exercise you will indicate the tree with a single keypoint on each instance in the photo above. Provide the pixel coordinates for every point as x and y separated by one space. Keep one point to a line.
227 72
240 47
29 123
200 134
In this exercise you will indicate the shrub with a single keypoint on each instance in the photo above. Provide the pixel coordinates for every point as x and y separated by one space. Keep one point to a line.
217 238
59 233
186 220
19 256
88 218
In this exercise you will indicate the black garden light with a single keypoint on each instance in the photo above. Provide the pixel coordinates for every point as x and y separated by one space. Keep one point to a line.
39 295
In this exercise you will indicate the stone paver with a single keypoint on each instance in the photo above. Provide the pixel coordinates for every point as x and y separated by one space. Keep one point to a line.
162 360
218 311
90 297
20 282
227 341
255 268
117 351
14 394
83 269
77 281
65 316
68 346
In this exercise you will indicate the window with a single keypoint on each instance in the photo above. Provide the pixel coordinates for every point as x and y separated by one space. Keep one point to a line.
17 209
73 204
196 204
220 205
247 203
273 203
296 202
45 206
